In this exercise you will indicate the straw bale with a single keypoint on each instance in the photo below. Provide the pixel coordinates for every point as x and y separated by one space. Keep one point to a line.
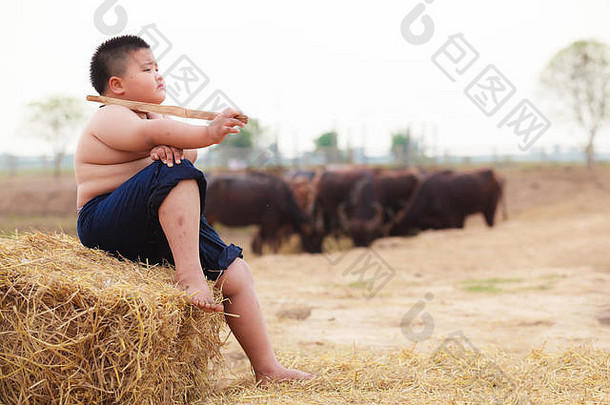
80 326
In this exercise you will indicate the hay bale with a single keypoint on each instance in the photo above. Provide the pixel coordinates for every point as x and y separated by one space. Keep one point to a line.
79 326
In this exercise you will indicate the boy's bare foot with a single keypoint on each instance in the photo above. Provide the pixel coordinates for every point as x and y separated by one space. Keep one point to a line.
197 291
280 373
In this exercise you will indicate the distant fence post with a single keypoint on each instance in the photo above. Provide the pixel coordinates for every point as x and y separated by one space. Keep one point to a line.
12 165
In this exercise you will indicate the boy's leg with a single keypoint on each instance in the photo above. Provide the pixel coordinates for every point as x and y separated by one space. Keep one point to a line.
250 330
179 215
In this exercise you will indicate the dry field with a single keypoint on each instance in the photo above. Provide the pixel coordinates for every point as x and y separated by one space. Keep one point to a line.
537 281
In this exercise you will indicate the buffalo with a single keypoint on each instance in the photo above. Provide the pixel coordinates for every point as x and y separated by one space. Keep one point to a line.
373 201
332 190
445 199
304 195
260 199
303 192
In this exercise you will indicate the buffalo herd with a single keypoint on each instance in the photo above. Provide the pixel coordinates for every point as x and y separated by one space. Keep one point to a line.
362 203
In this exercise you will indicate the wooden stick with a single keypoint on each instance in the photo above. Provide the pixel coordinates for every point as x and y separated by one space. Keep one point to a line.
161 109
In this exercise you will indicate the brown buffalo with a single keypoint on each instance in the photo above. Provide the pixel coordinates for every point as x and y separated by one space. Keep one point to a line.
303 192
254 198
445 199
332 190
373 201
304 195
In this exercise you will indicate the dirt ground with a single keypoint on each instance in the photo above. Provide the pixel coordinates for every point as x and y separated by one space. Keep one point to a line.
540 278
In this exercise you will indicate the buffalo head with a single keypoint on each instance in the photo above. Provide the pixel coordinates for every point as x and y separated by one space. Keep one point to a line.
363 231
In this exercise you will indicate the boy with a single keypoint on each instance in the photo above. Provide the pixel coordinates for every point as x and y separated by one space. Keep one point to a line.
134 201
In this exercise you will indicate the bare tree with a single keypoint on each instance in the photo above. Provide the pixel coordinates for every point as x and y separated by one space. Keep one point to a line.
578 77
56 120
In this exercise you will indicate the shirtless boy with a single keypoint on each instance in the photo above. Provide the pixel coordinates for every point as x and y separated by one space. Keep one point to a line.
140 196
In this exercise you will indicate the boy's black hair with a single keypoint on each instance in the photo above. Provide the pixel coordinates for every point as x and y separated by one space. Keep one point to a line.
110 59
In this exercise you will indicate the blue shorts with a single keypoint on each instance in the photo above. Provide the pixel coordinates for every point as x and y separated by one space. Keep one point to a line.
125 222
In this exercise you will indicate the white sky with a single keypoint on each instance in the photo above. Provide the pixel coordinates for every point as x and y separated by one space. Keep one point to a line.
304 68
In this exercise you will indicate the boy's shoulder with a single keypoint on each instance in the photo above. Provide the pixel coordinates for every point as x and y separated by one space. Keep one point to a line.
112 111
110 117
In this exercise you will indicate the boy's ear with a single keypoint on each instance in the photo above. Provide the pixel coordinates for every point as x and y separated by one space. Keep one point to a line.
115 86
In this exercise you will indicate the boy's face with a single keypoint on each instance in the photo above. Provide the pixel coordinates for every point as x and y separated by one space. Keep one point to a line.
141 80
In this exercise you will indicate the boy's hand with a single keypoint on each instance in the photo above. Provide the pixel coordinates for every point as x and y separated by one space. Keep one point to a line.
224 124
167 154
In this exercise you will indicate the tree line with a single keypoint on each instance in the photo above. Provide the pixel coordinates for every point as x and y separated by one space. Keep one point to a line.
576 81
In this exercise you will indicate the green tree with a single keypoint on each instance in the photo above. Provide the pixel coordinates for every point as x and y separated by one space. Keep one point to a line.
246 137
406 149
326 140
578 77
328 145
401 145
57 120
245 145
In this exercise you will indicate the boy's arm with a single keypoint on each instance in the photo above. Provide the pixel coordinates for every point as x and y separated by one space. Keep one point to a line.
121 129
190 154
